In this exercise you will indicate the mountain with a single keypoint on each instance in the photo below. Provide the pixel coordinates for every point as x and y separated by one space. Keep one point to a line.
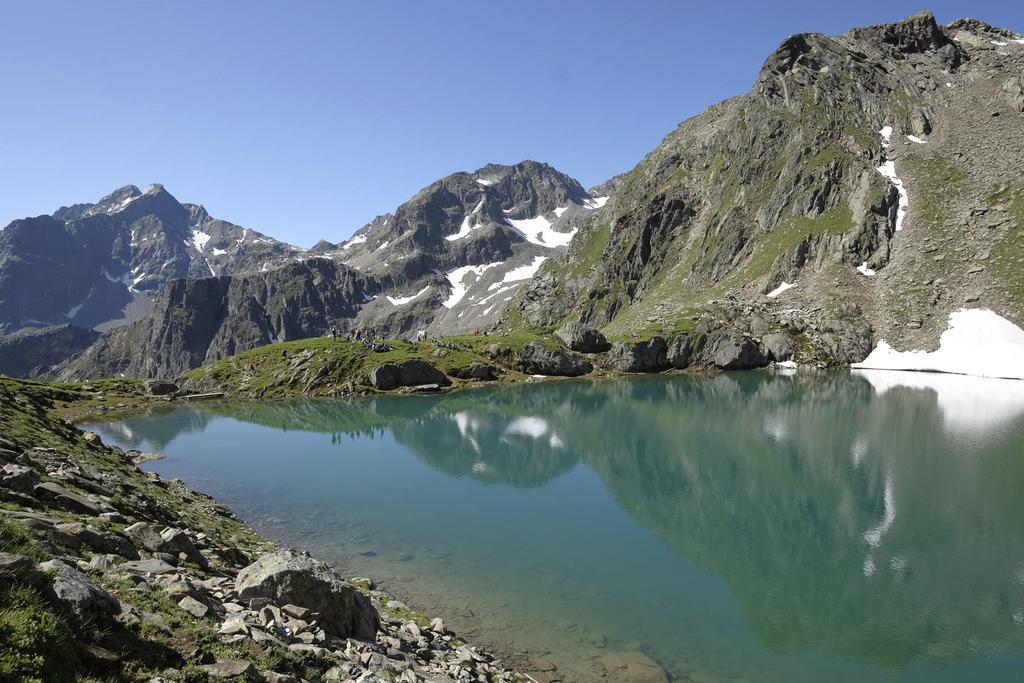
202 319
447 260
35 352
867 186
450 258
100 265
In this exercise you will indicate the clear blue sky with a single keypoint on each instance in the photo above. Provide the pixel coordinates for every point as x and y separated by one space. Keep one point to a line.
306 119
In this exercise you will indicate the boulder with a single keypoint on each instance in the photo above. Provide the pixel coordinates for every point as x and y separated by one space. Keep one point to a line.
580 337
235 669
777 346
58 496
101 541
18 478
14 565
384 377
289 577
733 351
409 373
150 566
161 387
536 359
646 356
146 535
682 350
77 593
479 371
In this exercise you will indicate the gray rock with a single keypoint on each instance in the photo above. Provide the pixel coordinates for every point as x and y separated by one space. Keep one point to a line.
536 359
232 668
58 496
732 351
409 373
160 387
479 371
150 566
102 541
778 346
289 577
682 349
18 478
580 337
78 593
193 607
14 565
646 356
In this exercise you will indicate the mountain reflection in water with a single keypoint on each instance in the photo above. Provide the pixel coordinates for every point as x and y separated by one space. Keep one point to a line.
867 526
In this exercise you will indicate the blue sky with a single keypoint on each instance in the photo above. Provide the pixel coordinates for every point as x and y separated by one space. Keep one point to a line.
306 119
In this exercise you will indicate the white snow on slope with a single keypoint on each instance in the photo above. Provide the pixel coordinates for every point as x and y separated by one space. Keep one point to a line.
524 272
779 290
916 140
978 342
75 309
560 210
456 277
125 279
888 169
383 246
538 231
969 405
484 181
356 239
199 239
864 270
402 300
219 252
468 224
596 202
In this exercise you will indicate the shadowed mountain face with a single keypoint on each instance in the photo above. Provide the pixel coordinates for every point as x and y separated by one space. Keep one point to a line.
100 265
831 505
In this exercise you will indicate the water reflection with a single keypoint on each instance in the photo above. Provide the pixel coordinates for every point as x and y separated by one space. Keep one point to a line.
875 518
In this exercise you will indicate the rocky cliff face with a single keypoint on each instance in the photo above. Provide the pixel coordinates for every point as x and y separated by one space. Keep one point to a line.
877 173
101 265
35 352
196 320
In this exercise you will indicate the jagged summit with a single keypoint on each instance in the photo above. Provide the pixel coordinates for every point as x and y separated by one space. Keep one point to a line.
101 264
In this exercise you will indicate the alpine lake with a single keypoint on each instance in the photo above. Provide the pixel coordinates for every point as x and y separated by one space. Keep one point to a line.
753 526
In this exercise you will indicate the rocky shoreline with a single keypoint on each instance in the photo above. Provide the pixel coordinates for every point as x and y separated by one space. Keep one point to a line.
140 578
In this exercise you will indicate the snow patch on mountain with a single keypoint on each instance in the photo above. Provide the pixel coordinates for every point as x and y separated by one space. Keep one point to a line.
779 290
469 223
199 239
978 342
537 230
402 300
457 277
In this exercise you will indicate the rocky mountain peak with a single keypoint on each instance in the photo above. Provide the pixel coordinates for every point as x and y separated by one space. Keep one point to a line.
917 33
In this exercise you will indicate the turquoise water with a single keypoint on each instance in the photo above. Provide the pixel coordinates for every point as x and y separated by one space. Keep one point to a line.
745 526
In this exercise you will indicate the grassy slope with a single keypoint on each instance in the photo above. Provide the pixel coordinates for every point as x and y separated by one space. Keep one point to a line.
325 367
